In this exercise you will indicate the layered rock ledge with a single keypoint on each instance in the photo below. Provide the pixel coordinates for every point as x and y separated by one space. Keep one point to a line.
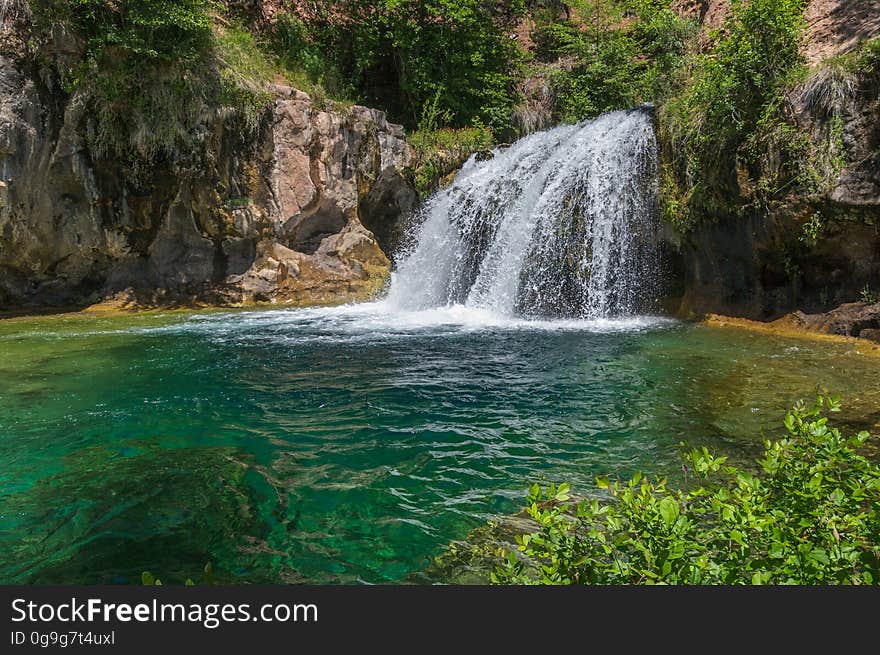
858 322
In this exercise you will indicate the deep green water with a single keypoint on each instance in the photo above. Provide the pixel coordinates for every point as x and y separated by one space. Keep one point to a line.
352 444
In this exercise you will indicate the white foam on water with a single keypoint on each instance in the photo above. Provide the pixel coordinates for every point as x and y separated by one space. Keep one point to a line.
382 319
373 321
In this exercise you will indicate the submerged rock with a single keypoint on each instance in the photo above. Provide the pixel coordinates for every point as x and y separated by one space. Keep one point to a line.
472 560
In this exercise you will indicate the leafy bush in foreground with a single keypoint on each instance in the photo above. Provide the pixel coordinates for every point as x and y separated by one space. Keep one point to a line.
811 515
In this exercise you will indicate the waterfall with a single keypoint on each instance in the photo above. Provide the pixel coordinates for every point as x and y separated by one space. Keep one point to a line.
561 223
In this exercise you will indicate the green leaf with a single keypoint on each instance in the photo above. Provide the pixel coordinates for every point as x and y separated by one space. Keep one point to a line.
562 492
147 579
669 510
737 536
676 550
602 482
819 555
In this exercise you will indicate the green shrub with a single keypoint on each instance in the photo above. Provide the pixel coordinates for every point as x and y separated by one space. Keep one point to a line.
811 231
440 152
809 515
606 76
729 119
400 53
627 54
302 56
171 30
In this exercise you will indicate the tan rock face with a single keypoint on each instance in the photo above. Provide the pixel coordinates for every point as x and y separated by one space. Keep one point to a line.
291 176
347 266
833 26
277 216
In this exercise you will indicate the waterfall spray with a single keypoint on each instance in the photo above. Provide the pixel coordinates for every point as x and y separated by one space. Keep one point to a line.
561 223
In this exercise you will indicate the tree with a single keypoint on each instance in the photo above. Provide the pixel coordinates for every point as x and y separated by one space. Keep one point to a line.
403 53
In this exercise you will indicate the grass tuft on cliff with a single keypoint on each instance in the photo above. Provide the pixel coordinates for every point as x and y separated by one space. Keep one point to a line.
146 75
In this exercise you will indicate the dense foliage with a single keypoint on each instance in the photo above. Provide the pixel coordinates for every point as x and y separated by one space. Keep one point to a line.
400 54
166 29
303 56
610 54
809 515
728 116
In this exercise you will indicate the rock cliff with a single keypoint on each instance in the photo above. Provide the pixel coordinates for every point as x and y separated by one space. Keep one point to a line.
811 250
280 215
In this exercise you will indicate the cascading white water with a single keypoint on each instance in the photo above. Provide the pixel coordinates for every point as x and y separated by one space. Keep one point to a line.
561 223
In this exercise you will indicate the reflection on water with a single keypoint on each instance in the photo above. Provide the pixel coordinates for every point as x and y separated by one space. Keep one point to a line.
352 444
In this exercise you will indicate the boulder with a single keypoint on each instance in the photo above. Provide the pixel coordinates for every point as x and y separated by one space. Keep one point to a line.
347 266
851 319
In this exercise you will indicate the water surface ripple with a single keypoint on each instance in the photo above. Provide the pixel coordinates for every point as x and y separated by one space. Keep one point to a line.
351 444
